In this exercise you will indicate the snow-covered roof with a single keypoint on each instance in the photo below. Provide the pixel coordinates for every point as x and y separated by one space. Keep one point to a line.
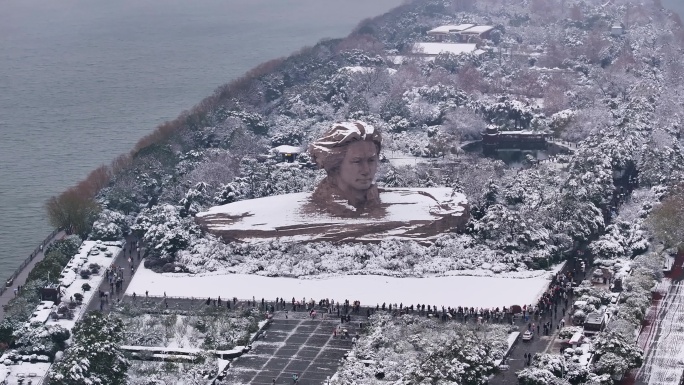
478 29
286 149
595 318
37 370
429 48
576 338
42 313
445 29
585 357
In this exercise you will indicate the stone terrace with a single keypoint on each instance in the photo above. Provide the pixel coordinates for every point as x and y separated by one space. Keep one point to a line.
297 345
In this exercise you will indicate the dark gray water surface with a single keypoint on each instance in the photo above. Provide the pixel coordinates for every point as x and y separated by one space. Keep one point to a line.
81 81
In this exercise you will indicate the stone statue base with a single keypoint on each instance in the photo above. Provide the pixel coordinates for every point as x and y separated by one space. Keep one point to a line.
406 213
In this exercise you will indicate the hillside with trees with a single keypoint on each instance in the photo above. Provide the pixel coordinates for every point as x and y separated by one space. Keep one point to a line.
604 79
553 68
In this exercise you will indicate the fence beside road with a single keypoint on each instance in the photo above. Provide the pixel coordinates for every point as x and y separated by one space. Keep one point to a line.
10 280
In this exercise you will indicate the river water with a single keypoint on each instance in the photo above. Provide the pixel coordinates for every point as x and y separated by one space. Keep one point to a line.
81 81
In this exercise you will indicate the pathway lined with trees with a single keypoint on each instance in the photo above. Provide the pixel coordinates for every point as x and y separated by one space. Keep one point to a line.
20 279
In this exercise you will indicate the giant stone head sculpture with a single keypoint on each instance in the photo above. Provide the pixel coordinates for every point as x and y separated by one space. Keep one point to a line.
349 152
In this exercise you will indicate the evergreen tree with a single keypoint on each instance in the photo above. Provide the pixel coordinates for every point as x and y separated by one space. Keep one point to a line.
95 356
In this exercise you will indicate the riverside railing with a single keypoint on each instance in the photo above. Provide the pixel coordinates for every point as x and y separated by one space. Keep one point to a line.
39 249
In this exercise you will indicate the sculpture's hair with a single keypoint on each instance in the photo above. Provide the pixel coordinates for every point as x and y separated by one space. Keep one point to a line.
329 150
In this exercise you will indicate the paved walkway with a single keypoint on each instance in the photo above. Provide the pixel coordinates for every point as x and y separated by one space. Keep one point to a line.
21 278
296 345
121 260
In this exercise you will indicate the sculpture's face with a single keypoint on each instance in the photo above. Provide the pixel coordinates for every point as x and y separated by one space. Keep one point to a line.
358 167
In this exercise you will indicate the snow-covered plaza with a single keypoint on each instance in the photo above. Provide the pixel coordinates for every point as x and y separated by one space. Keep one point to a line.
452 290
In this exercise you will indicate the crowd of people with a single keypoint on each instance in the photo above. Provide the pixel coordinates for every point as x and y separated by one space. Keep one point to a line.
115 274
553 300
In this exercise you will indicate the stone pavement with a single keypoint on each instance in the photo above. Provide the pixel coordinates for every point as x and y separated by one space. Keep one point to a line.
120 260
296 345
21 278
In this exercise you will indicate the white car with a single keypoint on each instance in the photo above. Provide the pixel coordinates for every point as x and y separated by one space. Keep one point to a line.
527 336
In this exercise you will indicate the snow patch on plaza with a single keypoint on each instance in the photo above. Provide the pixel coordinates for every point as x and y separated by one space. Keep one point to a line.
451 290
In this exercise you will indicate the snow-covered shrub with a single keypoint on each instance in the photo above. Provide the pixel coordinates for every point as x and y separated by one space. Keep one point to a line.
216 328
109 226
615 355
392 257
585 291
168 373
620 240
568 331
579 316
165 232
419 350
537 376
40 339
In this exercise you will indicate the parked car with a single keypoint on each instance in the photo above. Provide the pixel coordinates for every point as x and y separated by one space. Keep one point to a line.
527 336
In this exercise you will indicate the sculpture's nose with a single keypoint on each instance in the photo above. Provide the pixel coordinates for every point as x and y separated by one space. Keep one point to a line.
365 168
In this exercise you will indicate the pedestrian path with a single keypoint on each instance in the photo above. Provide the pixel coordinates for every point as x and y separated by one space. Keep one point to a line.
129 252
20 279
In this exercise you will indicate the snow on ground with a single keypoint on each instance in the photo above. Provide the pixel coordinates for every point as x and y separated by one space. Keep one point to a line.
407 213
24 372
455 290
664 352
401 159
70 282
280 211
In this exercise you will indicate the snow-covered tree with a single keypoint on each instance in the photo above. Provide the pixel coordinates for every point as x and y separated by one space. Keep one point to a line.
95 356
109 226
615 354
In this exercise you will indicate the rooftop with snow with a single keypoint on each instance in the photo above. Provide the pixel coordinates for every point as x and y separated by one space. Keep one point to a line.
435 48
70 282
